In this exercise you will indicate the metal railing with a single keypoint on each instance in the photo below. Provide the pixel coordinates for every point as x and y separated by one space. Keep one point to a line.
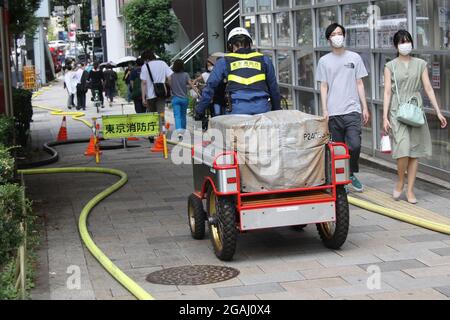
198 44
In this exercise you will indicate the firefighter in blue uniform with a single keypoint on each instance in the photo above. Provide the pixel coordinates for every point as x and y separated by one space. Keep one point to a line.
251 88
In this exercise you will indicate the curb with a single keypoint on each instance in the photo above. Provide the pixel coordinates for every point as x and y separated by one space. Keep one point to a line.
390 167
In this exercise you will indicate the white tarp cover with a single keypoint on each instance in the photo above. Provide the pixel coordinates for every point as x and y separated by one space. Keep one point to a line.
276 150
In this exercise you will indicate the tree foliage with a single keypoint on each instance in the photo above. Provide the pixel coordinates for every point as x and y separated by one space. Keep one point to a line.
22 19
151 24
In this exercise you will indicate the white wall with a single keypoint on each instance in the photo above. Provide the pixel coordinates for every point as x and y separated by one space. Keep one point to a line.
115 34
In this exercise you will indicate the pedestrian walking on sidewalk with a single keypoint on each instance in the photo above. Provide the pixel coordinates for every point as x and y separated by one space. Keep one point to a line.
127 80
82 87
154 72
179 83
135 82
96 80
110 77
404 78
70 82
340 74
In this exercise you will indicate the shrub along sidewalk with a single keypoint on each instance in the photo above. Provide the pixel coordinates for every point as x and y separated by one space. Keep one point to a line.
17 235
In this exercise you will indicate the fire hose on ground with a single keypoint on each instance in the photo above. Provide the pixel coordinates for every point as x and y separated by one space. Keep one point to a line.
130 284
118 274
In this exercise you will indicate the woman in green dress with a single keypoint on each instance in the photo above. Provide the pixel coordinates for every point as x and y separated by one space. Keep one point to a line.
408 143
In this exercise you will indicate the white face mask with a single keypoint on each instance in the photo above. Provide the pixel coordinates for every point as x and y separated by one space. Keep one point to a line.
337 41
210 69
405 48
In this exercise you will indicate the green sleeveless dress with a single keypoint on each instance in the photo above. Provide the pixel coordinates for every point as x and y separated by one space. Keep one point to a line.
407 141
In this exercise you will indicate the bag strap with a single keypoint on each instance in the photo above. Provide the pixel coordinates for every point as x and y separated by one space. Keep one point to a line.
150 73
395 82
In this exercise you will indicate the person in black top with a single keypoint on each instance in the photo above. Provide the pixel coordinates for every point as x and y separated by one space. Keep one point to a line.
82 87
97 80
110 78
127 80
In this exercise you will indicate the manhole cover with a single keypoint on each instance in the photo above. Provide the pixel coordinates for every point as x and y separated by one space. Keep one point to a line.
192 275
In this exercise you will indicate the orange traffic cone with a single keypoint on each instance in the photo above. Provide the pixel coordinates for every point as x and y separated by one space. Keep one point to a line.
90 151
159 144
62 135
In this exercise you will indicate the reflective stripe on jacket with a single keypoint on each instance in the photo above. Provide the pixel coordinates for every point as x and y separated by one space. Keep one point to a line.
246 72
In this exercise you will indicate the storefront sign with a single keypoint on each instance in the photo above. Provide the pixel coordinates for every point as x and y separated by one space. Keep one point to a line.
436 75
132 125
444 16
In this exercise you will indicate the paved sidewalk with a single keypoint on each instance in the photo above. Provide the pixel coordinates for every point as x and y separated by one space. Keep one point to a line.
143 228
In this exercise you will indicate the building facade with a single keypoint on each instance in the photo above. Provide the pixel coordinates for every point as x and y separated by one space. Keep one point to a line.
5 67
292 32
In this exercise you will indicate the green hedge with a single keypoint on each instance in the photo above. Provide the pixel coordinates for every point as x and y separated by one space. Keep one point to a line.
6 165
11 235
6 130
11 216
23 114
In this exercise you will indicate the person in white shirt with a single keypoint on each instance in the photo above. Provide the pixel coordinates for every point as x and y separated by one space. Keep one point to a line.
161 73
71 81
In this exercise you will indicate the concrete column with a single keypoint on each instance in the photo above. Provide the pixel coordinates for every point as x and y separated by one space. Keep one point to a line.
39 52
215 41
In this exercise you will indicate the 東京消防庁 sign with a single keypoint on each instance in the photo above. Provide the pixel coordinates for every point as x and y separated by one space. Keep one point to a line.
131 125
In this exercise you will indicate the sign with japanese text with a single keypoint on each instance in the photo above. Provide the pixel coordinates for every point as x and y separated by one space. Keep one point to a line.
131 125
436 75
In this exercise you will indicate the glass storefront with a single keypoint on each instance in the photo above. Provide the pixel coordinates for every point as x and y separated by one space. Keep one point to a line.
292 33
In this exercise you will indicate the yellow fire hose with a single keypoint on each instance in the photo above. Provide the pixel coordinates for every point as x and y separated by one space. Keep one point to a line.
408 218
75 115
118 274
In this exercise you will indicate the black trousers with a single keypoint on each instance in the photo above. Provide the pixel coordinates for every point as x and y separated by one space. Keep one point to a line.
347 128
139 106
81 99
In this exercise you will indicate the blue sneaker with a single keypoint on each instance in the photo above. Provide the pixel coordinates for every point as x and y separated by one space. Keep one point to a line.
347 191
356 184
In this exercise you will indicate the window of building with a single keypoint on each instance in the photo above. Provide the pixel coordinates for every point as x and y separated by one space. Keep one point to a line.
302 2
325 17
440 139
303 22
439 73
286 98
264 5
294 56
249 24
265 29
367 135
282 3
365 56
324 1
283 29
381 60
248 6
284 59
355 21
393 17
305 68
305 101
433 24
119 7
